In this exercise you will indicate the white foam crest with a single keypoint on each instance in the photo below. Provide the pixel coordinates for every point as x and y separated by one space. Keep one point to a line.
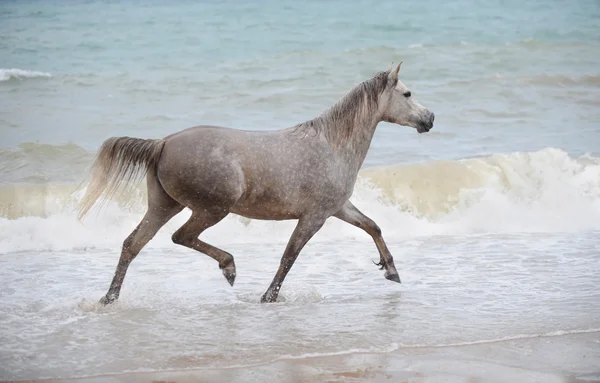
7 74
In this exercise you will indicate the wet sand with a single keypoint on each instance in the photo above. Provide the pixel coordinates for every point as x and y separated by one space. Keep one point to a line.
548 359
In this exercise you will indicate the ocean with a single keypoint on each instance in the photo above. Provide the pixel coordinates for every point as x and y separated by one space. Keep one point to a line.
493 217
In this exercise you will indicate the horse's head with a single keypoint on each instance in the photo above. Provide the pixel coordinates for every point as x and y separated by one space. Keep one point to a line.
399 107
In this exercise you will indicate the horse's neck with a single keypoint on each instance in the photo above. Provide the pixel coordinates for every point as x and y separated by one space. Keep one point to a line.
355 150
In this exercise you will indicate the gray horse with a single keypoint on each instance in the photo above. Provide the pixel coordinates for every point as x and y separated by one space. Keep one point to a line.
306 172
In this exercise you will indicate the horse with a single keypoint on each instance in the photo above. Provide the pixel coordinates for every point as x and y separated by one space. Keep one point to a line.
305 172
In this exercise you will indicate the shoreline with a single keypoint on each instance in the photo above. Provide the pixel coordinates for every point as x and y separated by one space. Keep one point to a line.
568 358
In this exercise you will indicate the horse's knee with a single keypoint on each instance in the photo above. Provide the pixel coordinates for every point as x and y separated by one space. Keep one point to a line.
377 230
373 229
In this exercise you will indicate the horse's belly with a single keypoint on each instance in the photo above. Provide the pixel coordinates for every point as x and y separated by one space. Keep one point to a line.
290 201
266 209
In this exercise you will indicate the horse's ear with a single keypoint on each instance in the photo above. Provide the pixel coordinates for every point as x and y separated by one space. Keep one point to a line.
393 76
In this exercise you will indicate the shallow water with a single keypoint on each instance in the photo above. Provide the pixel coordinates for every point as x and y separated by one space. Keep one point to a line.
493 217
177 312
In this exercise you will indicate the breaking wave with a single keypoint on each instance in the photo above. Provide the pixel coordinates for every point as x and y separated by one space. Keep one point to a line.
542 191
20 74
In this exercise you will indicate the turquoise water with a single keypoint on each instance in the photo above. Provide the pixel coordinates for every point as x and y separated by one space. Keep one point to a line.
107 37
493 217
491 72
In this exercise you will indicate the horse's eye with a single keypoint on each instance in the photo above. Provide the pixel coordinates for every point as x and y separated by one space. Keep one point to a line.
407 94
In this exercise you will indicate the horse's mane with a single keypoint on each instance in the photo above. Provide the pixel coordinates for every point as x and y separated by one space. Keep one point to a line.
339 121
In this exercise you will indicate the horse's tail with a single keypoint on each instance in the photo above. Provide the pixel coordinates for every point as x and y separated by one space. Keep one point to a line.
120 159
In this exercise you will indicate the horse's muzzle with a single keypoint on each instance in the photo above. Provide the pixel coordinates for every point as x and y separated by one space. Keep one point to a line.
426 126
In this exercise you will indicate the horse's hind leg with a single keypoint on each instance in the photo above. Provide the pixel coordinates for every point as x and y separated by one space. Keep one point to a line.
188 234
349 213
161 208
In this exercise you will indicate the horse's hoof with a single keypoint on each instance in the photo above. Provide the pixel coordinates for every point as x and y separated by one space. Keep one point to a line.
107 300
268 299
392 276
229 273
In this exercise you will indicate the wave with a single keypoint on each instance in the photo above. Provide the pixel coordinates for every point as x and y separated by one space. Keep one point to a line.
547 183
35 162
542 191
21 74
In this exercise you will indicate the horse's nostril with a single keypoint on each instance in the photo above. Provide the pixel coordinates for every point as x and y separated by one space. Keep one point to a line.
432 117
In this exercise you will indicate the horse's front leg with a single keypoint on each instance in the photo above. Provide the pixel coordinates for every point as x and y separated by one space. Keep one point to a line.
349 213
306 228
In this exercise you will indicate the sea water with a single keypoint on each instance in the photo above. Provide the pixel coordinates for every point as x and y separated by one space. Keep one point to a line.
493 217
